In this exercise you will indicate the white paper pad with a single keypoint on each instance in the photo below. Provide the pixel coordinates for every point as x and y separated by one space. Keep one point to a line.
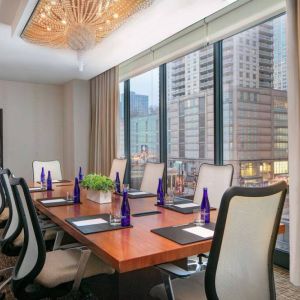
186 205
200 231
53 201
55 181
90 222
137 193
36 189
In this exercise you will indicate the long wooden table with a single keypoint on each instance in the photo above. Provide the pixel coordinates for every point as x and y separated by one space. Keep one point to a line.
131 248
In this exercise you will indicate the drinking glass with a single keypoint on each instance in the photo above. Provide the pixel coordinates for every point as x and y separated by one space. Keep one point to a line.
69 197
126 186
115 218
169 199
198 221
43 185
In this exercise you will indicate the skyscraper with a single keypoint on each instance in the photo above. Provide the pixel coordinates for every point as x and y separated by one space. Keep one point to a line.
254 112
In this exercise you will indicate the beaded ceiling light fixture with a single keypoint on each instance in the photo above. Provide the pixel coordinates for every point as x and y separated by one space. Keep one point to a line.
78 24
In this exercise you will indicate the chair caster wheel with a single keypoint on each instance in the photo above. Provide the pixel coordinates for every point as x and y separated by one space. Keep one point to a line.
2 296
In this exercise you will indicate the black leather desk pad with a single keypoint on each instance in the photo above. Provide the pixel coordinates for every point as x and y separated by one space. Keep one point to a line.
59 181
38 190
179 236
54 203
131 196
185 210
88 229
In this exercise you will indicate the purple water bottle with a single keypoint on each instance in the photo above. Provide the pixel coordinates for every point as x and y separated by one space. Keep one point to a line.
43 181
117 183
125 209
49 182
80 175
205 208
76 192
160 193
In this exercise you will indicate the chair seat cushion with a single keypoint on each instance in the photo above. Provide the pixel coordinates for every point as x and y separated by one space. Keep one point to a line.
191 288
61 267
4 215
18 242
50 234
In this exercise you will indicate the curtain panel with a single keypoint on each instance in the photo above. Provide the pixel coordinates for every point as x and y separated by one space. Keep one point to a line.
104 121
293 54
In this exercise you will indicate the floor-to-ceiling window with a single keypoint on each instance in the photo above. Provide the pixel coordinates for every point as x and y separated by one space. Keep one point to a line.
252 106
144 123
255 107
190 114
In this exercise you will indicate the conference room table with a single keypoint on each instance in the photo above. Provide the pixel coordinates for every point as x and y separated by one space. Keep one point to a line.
126 249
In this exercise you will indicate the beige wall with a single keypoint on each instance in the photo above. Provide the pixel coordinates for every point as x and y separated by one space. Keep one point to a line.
76 126
32 124
45 122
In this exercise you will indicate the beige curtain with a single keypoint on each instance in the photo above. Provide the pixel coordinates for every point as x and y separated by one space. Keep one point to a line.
104 120
293 54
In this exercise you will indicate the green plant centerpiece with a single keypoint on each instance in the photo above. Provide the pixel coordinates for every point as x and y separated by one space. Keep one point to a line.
99 187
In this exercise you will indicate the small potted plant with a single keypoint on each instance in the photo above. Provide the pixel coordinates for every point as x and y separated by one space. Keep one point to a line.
99 188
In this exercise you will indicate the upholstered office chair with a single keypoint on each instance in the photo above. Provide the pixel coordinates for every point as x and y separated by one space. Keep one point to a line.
118 165
38 274
217 179
4 211
12 237
53 166
153 171
240 265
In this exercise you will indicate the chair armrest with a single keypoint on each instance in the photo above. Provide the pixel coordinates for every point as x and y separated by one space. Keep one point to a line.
42 217
174 270
58 240
49 226
71 246
85 255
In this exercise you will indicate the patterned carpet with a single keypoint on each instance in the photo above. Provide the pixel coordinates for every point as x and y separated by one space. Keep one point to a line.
285 290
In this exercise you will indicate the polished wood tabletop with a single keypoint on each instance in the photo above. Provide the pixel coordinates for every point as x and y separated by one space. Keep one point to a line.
131 248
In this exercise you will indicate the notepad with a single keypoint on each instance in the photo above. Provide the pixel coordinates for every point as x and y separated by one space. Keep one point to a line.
137 193
90 222
56 181
33 189
186 205
200 231
53 201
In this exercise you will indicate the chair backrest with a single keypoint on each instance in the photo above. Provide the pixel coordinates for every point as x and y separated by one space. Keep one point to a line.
240 264
13 226
3 202
153 171
33 253
118 165
217 179
53 166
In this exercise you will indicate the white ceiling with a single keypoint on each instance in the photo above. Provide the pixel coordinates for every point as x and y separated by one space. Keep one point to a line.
27 62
